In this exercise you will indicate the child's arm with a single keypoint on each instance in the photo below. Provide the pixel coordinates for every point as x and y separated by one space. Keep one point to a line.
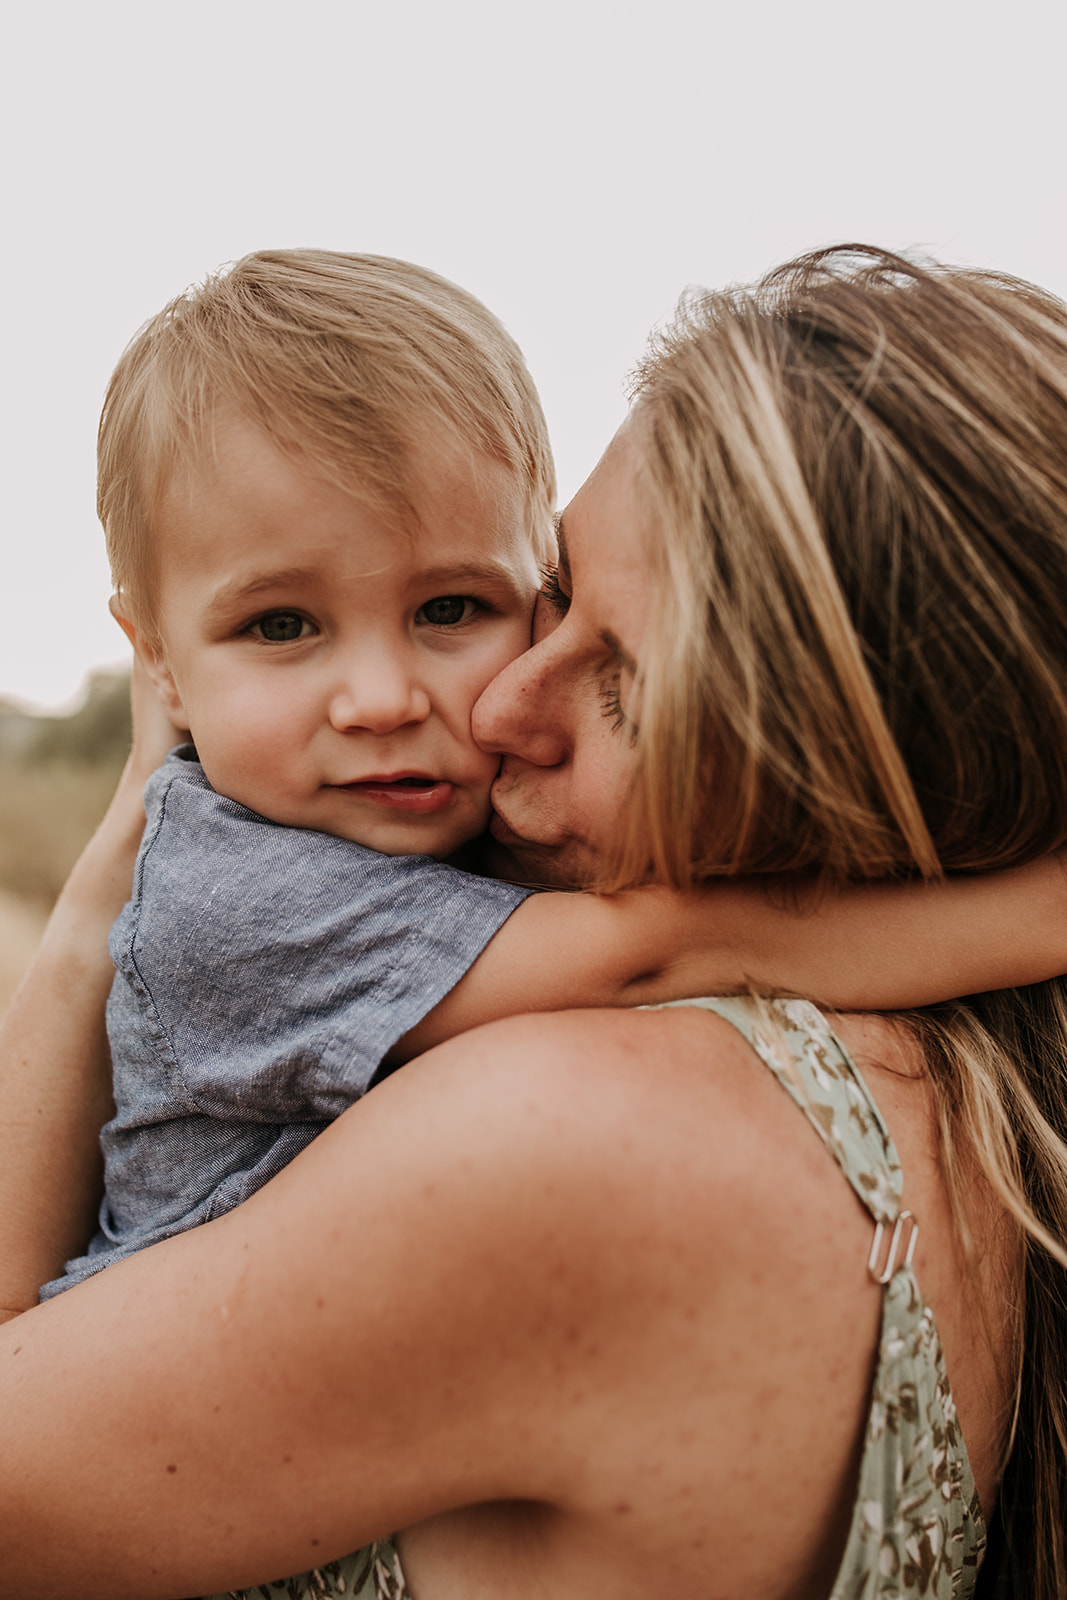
876 947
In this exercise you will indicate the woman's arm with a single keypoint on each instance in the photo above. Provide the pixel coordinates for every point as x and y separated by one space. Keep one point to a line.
504 1276
871 947
55 1082
309 1372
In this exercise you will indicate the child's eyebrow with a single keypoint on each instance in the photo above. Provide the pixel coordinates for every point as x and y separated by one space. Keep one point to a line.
232 595
487 571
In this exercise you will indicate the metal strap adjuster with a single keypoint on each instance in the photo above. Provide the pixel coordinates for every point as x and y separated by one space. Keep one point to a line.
890 1264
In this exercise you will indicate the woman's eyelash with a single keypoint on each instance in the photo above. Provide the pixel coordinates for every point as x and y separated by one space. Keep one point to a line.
550 590
612 707
610 699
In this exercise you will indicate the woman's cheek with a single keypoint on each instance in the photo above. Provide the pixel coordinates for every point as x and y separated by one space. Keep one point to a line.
603 762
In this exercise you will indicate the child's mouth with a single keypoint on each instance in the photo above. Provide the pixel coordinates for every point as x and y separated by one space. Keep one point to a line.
416 795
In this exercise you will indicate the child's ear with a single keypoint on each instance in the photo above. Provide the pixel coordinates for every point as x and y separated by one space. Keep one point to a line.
151 656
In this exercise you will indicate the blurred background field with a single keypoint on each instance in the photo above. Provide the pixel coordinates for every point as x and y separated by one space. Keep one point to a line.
56 777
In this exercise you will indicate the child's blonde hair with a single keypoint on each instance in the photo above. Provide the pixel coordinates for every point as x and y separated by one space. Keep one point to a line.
354 363
856 477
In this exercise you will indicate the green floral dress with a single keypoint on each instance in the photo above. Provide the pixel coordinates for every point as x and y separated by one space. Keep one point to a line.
917 1527
370 1574
917 1531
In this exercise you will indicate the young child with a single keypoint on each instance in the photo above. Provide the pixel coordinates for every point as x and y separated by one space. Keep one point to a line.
326 486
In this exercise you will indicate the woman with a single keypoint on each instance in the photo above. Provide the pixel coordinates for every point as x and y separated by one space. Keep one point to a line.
582 1301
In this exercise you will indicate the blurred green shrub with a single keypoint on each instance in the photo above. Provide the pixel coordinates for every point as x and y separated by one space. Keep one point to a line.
57 774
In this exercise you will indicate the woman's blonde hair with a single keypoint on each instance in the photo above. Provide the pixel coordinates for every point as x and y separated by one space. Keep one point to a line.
354 363
857 476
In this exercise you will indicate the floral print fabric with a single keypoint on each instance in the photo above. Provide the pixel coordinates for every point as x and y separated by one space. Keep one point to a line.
917 1528
371 1574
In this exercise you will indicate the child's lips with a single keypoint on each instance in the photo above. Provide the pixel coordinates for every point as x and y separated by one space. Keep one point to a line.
411 792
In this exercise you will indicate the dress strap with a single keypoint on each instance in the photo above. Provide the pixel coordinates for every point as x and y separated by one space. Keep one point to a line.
794 1039
372 1573
917 1526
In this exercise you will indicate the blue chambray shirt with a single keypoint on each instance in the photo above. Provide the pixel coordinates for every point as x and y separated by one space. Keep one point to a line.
262 973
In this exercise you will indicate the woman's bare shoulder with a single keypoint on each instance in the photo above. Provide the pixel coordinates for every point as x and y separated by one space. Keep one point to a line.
621 1118
675 1234
586 1076
482 1255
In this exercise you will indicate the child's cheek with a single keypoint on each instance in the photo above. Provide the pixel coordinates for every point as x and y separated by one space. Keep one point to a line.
513 642
241 734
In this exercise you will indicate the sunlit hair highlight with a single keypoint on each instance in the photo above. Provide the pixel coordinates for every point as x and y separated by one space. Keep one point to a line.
857 475
854 481
353 363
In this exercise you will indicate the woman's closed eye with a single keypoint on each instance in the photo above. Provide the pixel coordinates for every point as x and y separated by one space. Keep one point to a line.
281 627
612 707
447 611
610 687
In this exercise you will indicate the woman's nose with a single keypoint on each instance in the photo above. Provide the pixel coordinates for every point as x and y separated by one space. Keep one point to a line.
377 693
520 711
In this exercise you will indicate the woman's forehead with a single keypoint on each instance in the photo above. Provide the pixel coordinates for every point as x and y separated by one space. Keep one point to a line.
605 554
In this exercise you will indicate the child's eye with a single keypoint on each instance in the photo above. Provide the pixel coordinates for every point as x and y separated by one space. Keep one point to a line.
446 611
281 627
550 590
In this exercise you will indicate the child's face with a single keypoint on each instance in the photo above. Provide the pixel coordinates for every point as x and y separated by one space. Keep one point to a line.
325 658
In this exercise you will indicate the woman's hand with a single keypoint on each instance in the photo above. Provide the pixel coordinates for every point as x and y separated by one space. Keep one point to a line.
55 1071
153 731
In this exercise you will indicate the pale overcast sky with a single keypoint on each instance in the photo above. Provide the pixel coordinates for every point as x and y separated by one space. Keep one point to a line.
573 163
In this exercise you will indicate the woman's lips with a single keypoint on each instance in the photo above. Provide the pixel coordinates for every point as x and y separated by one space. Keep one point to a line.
417 796
505 833
501 832
540 829
499 826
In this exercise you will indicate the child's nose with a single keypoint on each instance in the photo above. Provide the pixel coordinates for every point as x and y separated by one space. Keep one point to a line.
378 695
